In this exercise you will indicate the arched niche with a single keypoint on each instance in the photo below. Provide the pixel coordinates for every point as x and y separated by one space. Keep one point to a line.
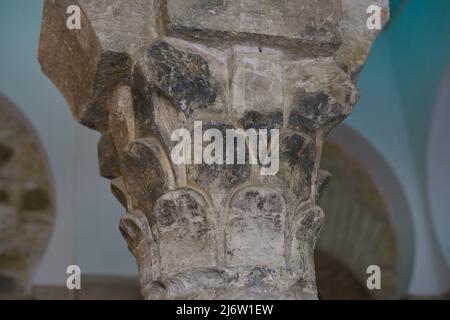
368 222
438 167
27 206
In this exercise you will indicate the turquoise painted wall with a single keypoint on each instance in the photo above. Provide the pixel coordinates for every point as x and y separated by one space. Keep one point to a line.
398 87
420 47
380 119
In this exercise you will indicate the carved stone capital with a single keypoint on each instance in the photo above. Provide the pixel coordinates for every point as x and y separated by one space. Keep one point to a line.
138 70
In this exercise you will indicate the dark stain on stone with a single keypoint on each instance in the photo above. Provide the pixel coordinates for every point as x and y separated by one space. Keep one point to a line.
4 197
301 283
108 157
167 213
183 77
296 152
6 154
258 275
313 111
227 176
317 33
259 120
190 204
310 223
308 160
230 175
182 209
34 200
144 176
142 105
309 219
270 206
143 108
113 69
291 147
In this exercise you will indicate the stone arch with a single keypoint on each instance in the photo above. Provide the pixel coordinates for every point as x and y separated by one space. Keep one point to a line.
27 207
373 227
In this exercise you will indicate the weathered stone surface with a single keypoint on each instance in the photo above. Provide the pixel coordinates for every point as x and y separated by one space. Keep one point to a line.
357 39
119 191
87 64
182 76
313 111
255 75
147 174
26 202
222 230
285 23
318 94
108 157
298 154
255 229
122 118
186 233
261 120
219 179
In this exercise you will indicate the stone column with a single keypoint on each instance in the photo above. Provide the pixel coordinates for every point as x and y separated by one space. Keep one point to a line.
138 70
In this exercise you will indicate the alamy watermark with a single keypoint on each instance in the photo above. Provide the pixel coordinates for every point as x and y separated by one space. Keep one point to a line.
374 18
73 21
73 281
374 280
237 147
